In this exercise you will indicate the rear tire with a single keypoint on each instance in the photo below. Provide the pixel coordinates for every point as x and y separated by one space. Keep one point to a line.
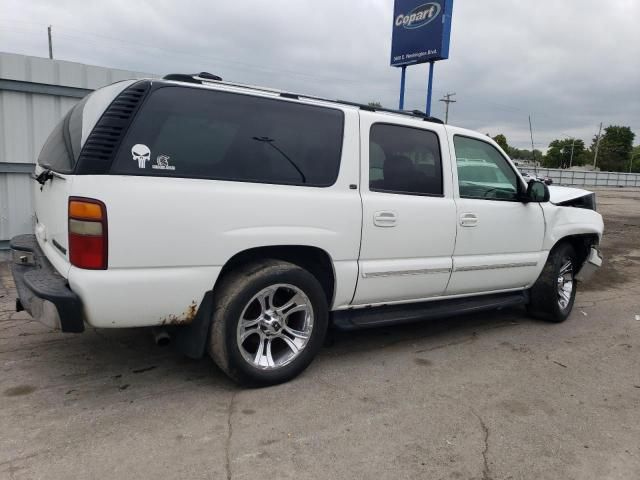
269 322
554 292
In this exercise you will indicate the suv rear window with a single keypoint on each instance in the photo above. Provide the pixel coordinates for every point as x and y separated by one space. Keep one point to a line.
62 148
197 133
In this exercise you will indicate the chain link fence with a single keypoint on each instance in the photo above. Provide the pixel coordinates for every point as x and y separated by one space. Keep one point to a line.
585 178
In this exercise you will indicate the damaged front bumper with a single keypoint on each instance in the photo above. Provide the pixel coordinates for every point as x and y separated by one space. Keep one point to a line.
590 265
42 291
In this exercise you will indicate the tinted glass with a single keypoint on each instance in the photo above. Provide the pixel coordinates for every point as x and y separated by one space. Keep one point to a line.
404 160
483 172
61 150
196 133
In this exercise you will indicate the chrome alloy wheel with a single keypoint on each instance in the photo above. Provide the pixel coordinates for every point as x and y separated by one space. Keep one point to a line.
565 284
275 326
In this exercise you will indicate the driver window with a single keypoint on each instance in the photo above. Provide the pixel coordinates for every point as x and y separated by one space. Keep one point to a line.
483 172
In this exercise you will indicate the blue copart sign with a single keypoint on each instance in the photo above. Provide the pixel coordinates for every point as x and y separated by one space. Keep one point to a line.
421 31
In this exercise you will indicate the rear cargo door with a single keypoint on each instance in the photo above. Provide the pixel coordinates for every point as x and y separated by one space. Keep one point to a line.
56 162
58 157
51 201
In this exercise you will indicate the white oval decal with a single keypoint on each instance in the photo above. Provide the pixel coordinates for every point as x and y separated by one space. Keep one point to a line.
419 16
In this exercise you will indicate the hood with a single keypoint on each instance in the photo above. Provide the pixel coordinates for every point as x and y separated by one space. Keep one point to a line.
563 194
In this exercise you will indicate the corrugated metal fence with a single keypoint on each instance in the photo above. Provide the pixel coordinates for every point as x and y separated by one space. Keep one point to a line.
584 178
35 93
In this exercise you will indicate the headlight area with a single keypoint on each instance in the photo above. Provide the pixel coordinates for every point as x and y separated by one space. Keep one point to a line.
586 201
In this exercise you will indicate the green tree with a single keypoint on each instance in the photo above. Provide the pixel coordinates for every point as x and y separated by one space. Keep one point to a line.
559 153
518 154
635 159
614 152
501 140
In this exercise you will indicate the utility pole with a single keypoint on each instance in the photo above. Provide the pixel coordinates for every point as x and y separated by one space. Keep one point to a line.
573 144
533 150
50 43
595 156
447 100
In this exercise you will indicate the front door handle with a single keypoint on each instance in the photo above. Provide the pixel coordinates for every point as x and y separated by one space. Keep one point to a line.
468 220
385 219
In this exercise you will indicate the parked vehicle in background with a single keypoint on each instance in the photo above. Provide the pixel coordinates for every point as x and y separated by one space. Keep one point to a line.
544 178
245 221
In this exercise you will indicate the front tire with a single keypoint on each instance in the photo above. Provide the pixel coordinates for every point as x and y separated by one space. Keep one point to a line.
269 322
554 292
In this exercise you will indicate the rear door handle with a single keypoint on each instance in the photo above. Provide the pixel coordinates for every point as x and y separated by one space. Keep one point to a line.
468 220
385 219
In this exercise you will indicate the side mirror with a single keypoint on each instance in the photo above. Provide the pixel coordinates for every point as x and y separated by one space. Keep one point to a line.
537 191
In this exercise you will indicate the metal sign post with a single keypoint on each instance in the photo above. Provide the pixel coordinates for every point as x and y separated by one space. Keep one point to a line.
402 79
429 90
421 33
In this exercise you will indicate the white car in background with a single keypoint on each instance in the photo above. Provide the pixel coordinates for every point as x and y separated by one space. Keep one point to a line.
545 179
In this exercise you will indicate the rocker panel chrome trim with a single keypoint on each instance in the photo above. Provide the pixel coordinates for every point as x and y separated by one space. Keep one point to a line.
495 267
423 271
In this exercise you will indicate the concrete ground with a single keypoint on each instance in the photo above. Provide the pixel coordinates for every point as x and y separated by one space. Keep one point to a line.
492 396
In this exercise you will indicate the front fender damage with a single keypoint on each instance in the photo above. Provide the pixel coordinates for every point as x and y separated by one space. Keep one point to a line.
590 265
572 197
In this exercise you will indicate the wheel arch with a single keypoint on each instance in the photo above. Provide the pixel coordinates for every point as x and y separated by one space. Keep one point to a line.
191 339
315 260
581 243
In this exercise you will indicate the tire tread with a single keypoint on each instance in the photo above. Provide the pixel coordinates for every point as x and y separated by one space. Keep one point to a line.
543 303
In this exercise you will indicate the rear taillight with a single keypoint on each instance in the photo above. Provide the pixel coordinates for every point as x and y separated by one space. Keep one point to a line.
88 233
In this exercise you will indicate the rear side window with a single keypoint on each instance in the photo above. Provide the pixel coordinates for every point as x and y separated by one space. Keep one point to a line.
195 133
404 160
62 148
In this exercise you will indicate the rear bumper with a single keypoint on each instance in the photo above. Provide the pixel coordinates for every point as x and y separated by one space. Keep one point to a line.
42 291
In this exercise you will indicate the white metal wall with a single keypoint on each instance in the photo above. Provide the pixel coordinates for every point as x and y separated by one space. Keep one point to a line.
35 93
16 206
586 178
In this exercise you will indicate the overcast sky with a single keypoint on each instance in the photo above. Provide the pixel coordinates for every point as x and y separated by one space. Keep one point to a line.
570 64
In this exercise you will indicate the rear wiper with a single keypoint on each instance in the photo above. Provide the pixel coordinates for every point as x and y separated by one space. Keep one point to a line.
270 141
43 176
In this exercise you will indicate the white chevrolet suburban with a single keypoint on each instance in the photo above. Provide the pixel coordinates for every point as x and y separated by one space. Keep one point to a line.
245 221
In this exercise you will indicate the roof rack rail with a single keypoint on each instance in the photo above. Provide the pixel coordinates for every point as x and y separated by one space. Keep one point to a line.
411 113
205 77
199 78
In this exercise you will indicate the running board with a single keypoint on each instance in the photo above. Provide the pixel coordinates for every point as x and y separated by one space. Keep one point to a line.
369 317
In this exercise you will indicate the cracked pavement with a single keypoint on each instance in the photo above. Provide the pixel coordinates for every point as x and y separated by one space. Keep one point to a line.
491 396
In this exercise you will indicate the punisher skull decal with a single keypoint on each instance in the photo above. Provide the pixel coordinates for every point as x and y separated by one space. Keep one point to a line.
141 153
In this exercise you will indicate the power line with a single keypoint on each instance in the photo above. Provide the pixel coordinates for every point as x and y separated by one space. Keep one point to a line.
447 100
232 63
182 54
